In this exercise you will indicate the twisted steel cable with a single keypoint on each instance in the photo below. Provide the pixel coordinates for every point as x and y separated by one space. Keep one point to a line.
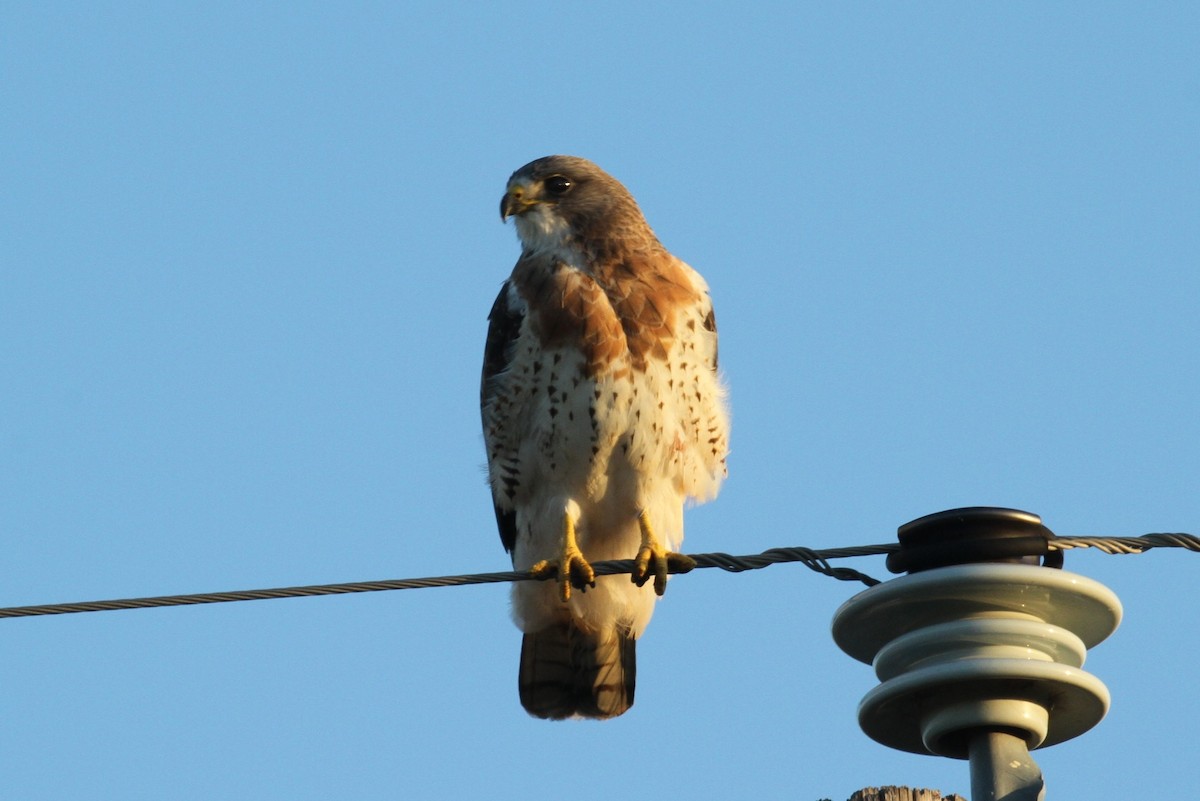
816 560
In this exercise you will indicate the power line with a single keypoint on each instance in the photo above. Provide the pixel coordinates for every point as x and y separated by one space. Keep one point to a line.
817 560
1128 545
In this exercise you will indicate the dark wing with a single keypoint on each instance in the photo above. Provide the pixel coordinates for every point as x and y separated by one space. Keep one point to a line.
504 323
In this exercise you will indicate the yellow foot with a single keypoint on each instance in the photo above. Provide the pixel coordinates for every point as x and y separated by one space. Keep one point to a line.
654 560
571 569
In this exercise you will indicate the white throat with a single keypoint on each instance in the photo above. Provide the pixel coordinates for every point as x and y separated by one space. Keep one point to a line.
545 233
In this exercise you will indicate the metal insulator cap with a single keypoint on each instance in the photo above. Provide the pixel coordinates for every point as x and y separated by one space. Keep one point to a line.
973 535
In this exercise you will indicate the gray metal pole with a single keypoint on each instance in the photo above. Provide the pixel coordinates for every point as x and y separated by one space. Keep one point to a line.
1002 769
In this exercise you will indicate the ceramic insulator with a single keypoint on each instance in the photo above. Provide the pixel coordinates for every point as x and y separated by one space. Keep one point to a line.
965 648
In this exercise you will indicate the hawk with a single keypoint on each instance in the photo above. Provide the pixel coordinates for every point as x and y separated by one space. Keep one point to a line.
602 413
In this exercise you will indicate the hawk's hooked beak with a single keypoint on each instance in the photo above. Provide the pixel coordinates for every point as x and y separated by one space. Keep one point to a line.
515 202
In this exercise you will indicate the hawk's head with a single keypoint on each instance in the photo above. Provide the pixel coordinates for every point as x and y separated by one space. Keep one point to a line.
565 203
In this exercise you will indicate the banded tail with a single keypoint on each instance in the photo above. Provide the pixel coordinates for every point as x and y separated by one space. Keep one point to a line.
568 672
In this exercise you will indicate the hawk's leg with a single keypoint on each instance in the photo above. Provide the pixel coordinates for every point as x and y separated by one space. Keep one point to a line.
571 568
653 559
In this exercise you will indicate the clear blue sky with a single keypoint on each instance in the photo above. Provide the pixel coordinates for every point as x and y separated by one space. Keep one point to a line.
246 255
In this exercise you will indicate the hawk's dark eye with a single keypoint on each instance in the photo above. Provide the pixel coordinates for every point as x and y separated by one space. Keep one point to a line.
558 185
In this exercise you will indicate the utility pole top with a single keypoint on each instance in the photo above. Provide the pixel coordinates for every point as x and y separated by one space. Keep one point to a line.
901 794
980 647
